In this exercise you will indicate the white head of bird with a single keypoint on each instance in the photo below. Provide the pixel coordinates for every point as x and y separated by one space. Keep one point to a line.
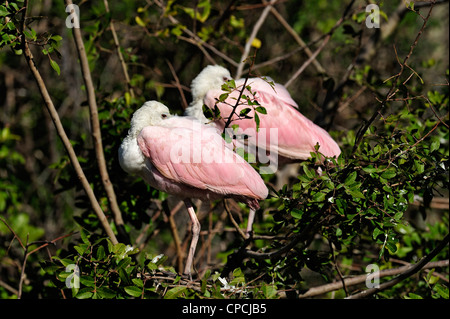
211 77
149 114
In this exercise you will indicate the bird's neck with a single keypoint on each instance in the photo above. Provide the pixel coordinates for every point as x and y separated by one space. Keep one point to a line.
195 109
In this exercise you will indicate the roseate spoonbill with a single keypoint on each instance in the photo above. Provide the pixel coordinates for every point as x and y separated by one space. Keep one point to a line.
183 157
297 135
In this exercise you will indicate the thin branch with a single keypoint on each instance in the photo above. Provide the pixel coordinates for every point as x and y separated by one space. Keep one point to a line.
185 104
62 134
27 254
95 125
320 290
233 221
195 40
13 232
248 44
408 272
297 38
119 53
393 88
308 62
322 45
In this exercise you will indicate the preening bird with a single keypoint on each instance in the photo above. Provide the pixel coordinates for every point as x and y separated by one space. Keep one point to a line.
297 135
183 157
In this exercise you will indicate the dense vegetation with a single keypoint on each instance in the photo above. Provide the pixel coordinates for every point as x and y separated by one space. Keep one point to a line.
73 224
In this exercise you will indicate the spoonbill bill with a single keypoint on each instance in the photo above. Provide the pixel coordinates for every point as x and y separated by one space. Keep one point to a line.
183 157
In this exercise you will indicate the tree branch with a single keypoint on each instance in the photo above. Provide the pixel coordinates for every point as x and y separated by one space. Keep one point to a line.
393 88
119 53
95 126
411 270
317 291
62 134
248 44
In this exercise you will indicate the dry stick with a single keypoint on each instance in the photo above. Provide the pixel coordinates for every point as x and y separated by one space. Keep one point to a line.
297 38
248 44
320 48
388 96
195 40
308 62
233 221
62 134
119 53
408 272
96 133
176 237
320 290
178 85
27 254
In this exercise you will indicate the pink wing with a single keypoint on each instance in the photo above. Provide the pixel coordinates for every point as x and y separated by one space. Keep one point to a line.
297 135
197 157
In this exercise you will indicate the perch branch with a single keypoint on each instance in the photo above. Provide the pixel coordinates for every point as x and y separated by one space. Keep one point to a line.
248 44
393 88
322 45
119 53
62 134
297 38
411 270
95 126
320 290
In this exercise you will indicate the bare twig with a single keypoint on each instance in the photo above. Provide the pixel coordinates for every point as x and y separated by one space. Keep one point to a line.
308 62
95 126
393 88
195 40
233 221
62 134
248 44
27 254
297 38
320 290
178 85
406 274
322 45
119 53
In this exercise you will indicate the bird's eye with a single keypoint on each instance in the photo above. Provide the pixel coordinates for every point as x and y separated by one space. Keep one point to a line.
163 116
225 79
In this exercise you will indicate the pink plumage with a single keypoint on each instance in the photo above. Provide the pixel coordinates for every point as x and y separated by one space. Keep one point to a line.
183 157
297 135
197 159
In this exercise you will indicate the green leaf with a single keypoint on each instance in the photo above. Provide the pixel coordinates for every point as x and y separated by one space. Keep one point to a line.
376 233
245 111
87 281
101 253
441 290
223 97
106 293
310 173
355 193
55 66
318 197
435 146
350 179
133 291
261 110
175 292
413 296
388 174
297 213
84 293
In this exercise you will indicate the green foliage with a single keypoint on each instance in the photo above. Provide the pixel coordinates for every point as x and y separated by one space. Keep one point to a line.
377 203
